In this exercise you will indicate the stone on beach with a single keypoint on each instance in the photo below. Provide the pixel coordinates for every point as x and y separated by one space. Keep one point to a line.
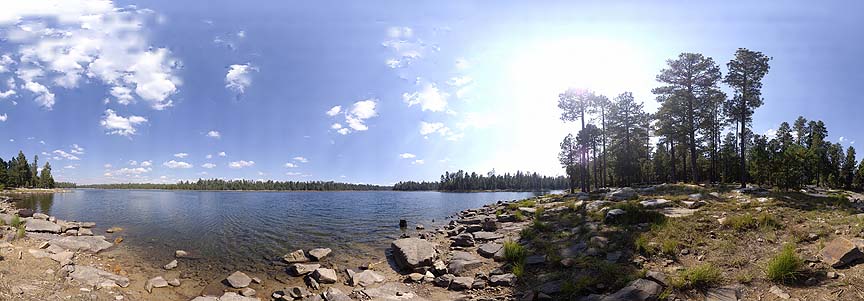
364 278
64 258
463 240
295 257
320 253
239 280
334 294
92 277
171 265
93 244
180 254
640 289
324 275
155 282
462 262
300 269
489 250
461 283
38 225
503 280
840 252
410 253
487 236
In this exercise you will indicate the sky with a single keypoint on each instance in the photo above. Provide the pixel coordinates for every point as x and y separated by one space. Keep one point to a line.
377 91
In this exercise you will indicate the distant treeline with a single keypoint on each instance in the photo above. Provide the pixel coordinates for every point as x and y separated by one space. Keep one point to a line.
217 184
463 181
19 172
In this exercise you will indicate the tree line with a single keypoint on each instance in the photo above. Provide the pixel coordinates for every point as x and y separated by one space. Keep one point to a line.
219 184
701 133
18 172
464 181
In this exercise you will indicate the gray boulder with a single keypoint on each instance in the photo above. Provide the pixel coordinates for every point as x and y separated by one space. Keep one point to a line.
319 254
461 283
364 278
640 289
463 240
94 277
300 269
334 294
239 280
411 253
487 236
324 275
155 282
622 194
93 244
503 280
488 250
295 257
38 225
840 252
462 262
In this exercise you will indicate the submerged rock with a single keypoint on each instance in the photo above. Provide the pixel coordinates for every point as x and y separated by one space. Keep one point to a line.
296 256
410 253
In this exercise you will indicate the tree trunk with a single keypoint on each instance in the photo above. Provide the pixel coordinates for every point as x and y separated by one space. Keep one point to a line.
603 167
672 159
743 162
584 157
692 133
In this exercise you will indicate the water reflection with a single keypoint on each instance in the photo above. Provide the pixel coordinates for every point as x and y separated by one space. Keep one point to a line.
39 202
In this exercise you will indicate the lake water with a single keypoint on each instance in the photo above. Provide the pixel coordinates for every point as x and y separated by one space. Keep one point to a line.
246 230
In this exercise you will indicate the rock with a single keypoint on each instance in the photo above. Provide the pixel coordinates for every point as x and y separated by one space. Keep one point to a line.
92 277
85 232
113 229
658 203
239 280
831 275
411 253
295 257
320 253
478 284
622 194
503 280
171 265
463 240
658 277
300 269
461 262
596 205
439 268
247 291
613 214
416 277
180 254
506 218
324 275
155 283
444 280
695 197
38 225
311 283
461 283
640 289
419 227
93 244
779 292
551 288
722 294
488 250
535 259
364 278
71 232
38 253
334 294
487 236
64 258
174 282
403 223
298 292
26 212
41 216
390 291
694 204
840 252
489 225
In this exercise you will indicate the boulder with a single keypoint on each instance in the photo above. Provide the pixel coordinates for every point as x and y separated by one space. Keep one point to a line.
171 265
155 282
640 289
324 275
416 277
622 194
722 294
658 203
180 254
64 258
840 252
320 253
93 244
444 280
95 277
300 269
490 225
85 232
613 214
506 218
658 277
174 282
461 283
334 294
487 236
239 280
38 225
41 216
411 253
503 280
439 268
26 212
113 230
364 278
488 250
462 261
295 257
695 197
463 240
298 292
596 205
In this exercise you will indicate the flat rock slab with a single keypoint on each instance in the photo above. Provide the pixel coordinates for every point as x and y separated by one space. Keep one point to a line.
640 289
392 291
323 275
93 244
227 296
295 257
489 250
463 261
503 280
334 294
38 225
487 236
658 203
677 212
722 294
364 278
840 252
155 282
319 254
410 253
239 280
95 277
300 269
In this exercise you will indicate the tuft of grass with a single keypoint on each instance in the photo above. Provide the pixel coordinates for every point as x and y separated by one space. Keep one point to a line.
528 233
540 226
21 232
700 276
16 221
785 266
669 246
518 215
514 252
636 214
747 221
538 213
522 203
518 269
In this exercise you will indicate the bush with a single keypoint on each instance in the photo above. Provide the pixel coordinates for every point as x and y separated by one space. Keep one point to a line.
700 276
785 266
518 269
514 252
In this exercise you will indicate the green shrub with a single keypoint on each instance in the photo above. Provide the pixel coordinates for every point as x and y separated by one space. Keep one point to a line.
21 232
767 221
523 203
16 221
538 213
785 266
518 269
514 252
700 276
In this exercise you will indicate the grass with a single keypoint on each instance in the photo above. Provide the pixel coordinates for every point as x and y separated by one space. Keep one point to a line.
16 221
523 203
700 276
785 266
21 232
514 252
747 221
518 269
518 215
636 214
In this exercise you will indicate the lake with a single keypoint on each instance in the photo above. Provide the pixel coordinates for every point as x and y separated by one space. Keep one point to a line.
247 230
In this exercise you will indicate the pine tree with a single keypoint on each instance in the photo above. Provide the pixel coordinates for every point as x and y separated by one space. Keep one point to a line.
568 157
848 173
46 180
745 75
574 104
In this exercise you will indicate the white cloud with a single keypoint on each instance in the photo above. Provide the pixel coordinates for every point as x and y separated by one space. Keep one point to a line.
60 154
133 162
3 117
301 159
335 110
106 166
430 98
239 78
177 164
208 165
209 156
241 164
69 166
88 39
427 128
223 154
131 171
290 165
344 131
459 81
407 155
119 125
404 46
336 126
841 139
181 155
293 173
147 163
76 149
418 162
214 134
356 117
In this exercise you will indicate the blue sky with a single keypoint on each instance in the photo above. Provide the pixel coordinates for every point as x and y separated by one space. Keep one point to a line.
376 92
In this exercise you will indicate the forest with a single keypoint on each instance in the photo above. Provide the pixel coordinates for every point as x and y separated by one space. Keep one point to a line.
463 181
18 172
699 134
218 184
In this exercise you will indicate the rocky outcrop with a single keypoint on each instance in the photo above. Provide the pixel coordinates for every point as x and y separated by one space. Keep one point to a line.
38 225
94 277
840 252
92 244
410 253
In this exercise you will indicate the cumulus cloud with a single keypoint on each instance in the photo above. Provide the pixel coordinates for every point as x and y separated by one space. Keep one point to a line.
181 155
405 48
91 40
239 78
301 159
428 128
430 98
356 117
223 154
3 117
118 125
418 162
407 155
208 165
76 149
290 165
209 156
335 110
60 155
177 164
214 134
147 163
241 164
